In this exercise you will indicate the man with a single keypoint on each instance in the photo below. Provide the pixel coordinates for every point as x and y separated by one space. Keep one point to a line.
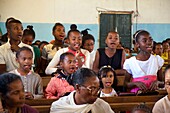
9 49
84 99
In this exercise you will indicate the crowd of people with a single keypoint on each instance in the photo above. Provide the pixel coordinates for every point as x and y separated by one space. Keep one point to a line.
79 73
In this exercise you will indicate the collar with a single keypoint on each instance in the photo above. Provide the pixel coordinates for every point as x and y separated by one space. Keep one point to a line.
16 71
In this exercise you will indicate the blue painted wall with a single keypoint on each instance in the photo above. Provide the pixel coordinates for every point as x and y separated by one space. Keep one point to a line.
159 32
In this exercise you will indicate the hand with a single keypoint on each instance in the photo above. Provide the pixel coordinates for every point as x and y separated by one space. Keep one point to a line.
14 47
141 85
1 107
28 95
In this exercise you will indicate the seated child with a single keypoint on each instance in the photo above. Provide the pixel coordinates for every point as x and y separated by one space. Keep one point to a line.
58 85
32 81
108 81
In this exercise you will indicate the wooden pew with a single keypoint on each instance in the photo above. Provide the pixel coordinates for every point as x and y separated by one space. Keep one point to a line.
121 103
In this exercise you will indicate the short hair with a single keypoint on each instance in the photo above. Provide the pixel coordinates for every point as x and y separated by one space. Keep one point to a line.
82 76
29 31
103 71
5 80
139 33
43 42
13 21
62 56
57 24
7 21
142 107
87 37
155 44
70 31
24 48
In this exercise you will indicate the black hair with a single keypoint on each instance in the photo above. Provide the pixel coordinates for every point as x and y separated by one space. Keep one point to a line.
24 48
164 41
43 42
5 80
62 56
142 107
13 21
82 76
85 32
69 32
57 24
166 69
103 72
155 44
87 37
139 33
29 31
73 27
7 21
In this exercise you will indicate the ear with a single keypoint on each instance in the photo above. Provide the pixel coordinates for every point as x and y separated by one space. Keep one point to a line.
137 44
77 88
61 64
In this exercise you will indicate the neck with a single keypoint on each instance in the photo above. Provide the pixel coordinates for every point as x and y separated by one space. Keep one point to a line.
58 43
12 109
14 42
111 49
23 72
78 99
107 90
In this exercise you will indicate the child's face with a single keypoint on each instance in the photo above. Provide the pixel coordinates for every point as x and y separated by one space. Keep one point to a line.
59 33
158 49
145 43
15 31
89 45
165 45
75 41
167 81
25 60
112 40
108 79
69 64
28 39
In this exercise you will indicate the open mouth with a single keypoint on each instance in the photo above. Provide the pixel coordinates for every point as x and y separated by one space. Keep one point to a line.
108 83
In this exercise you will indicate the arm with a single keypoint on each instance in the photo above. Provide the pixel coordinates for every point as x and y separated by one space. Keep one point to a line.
39 88
123 58
87 62
52 66
96 62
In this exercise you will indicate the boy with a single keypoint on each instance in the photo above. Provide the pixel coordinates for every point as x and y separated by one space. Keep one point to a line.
9 49
32 82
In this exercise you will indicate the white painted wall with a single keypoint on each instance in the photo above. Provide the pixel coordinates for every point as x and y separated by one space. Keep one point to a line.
81 11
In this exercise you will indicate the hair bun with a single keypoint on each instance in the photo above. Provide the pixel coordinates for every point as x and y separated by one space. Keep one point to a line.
30 27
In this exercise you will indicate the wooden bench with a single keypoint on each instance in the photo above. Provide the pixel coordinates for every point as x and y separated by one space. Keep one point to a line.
121 103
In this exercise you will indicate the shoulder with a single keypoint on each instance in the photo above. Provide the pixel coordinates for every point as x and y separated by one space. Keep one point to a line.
159 104
84 51
28 109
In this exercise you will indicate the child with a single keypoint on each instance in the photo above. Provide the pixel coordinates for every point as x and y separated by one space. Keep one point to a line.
110 55
128 52
28 38
82 56
142 108
158 49
9 49
163 105
58 85
143 68
88 44
32 82
108 81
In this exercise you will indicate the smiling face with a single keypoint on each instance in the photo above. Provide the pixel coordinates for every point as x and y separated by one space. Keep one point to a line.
75 40
15 95
27 39
89 45
158 49
145 43
69 64
59 32
112 40
15 31
25 60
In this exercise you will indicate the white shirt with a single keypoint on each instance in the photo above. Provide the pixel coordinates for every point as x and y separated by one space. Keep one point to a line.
92 58
8 57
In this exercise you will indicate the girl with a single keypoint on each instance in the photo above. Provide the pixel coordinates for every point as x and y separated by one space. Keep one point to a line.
58 85
110 55
32 81
82 56
28 38
108 81
145 68
142 108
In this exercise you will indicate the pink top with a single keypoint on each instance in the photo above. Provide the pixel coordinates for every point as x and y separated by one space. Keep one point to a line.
57 87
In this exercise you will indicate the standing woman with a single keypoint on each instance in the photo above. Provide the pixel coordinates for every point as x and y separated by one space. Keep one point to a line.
110 55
